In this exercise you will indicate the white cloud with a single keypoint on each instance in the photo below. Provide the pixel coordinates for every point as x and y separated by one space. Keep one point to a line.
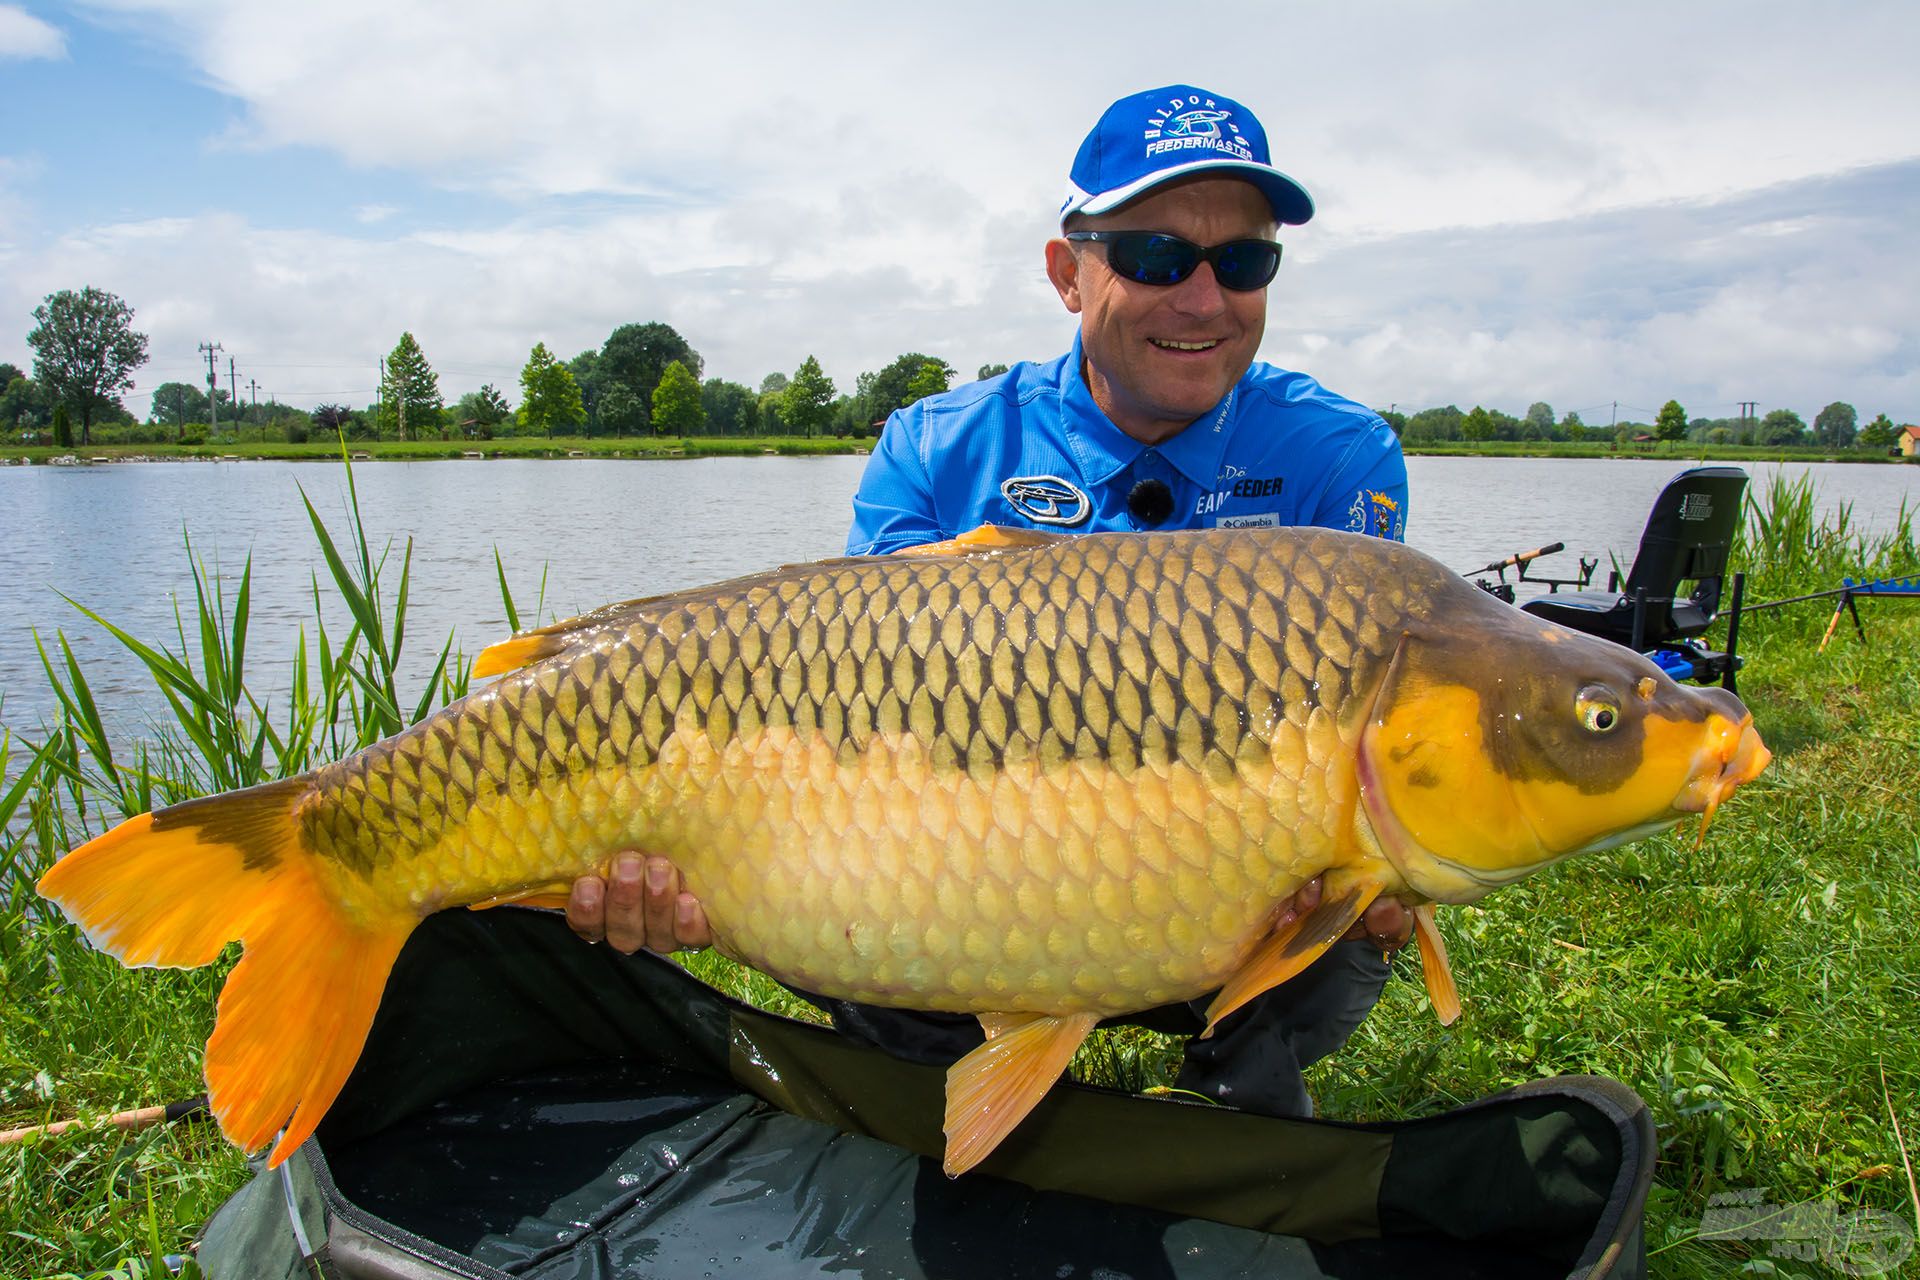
24 36
1622 201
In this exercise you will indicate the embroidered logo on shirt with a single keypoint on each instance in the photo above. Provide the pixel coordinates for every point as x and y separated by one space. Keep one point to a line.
1047 499
1258 520
1376 512
1248 487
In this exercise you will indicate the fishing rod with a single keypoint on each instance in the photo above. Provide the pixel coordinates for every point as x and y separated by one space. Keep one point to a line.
132 1121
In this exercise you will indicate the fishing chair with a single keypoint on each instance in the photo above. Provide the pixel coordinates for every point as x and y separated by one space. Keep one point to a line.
1686 543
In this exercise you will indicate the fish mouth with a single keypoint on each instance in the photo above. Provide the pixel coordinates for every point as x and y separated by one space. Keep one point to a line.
1732 756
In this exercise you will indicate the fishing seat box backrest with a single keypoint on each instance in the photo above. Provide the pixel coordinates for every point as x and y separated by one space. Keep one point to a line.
530 1106
1688 538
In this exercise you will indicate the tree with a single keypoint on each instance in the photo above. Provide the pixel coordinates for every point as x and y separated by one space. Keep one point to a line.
62 427
1442 423
773 384
990 371
585 369
732 409
676 401
336 419
178 403
622 410
85 351
23 405
481 412
1782 426
1670 423
1540 419
1572 426
549 396
932 377
1394 419
638 355
1477 425
1878 434
886 390
809 398
410 400
1834 426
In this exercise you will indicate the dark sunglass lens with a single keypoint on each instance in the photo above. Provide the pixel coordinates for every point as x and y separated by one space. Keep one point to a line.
1152 259
1246 264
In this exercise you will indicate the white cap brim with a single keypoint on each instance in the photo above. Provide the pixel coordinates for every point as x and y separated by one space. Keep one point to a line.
1290 201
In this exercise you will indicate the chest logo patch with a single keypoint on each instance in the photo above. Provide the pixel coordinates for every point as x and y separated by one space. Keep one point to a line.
1047 499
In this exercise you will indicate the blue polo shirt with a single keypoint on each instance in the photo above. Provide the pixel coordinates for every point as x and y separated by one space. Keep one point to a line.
1031 449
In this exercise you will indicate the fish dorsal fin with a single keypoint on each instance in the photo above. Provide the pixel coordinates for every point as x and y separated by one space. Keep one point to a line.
993 1088
1296 944
1435 967
988 537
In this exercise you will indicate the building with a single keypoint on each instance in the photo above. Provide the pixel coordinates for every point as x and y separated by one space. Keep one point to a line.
1909 441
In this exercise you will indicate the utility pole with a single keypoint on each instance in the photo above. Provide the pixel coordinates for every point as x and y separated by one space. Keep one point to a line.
1747 408
254 386
233 391
213 381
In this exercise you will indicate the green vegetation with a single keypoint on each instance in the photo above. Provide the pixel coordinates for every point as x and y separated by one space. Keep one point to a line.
1757 987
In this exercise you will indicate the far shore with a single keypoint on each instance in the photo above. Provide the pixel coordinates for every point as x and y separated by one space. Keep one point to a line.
652 448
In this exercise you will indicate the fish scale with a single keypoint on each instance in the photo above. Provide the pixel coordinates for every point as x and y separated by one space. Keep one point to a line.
1042 780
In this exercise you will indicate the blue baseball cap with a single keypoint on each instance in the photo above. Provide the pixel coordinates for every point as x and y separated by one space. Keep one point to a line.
1149 138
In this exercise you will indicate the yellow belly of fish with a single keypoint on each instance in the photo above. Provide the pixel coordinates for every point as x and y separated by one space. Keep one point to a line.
1021 888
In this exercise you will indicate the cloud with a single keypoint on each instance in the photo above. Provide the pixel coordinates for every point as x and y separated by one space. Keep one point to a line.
24 36
368 214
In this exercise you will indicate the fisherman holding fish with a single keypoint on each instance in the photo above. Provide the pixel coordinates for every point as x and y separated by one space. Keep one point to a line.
1159 417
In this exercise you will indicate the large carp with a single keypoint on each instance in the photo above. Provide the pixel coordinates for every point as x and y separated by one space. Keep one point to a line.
1042 780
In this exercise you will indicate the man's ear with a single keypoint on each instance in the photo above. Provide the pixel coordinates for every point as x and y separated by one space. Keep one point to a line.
1063 268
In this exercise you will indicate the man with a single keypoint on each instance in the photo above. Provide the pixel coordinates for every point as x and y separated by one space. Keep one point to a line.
1158 418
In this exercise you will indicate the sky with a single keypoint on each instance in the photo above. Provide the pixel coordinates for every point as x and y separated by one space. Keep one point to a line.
1591 205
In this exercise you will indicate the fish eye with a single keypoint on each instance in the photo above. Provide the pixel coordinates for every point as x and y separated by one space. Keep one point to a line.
1598 709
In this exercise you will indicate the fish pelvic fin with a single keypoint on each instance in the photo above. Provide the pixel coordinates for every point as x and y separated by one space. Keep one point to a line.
1298 943
992 1089
172 888
1435 967
520 651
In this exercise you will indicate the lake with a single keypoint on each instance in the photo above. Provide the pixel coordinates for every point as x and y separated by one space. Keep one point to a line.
110 536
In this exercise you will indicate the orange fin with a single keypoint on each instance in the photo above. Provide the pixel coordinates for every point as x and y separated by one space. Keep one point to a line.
1295 945
174 887
511 655
993 1088
1435 967
996 1023
988 537
551 896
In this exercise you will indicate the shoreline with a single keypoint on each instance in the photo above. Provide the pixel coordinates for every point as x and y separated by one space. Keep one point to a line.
648 449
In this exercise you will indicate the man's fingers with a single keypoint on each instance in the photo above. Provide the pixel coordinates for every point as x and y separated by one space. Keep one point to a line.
662 903
626 926
1388 924
690 922
587 908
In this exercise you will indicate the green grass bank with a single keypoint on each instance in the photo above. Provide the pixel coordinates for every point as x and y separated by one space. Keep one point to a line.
1761 989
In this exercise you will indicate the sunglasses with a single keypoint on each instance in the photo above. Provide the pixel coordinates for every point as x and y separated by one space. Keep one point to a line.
1151 257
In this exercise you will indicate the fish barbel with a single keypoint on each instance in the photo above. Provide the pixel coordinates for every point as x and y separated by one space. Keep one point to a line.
1044 780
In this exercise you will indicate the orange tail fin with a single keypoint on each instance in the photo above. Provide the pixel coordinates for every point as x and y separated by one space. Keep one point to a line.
172 888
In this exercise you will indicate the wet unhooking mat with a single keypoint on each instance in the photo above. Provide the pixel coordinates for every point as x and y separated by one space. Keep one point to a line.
530 1106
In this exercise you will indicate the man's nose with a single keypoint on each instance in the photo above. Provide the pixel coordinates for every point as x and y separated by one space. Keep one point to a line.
1200 294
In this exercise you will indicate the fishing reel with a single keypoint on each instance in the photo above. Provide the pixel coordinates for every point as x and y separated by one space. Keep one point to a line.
1501 589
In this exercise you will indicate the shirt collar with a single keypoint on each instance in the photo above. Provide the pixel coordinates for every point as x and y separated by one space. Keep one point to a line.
1103 450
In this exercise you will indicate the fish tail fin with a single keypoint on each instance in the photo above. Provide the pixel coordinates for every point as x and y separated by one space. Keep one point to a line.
172 888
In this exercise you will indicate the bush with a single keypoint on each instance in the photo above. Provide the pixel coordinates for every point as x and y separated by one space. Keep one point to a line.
296 431
194 433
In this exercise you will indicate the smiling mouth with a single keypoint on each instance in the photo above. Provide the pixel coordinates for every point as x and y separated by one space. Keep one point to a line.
1168 344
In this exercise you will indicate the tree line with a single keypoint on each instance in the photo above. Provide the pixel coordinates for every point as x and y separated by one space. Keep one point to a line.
646 379
1835 427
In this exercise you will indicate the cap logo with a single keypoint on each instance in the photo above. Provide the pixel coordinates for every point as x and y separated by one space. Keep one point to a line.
1193 123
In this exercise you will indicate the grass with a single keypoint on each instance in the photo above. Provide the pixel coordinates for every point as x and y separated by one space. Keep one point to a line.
325 449
1761 990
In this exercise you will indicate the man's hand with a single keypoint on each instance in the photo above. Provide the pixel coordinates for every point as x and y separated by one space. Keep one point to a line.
1387 923
641 903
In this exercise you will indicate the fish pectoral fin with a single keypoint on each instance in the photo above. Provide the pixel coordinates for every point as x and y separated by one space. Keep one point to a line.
988 537
996 1023
993 1088
1296 944
551 896
1435 967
